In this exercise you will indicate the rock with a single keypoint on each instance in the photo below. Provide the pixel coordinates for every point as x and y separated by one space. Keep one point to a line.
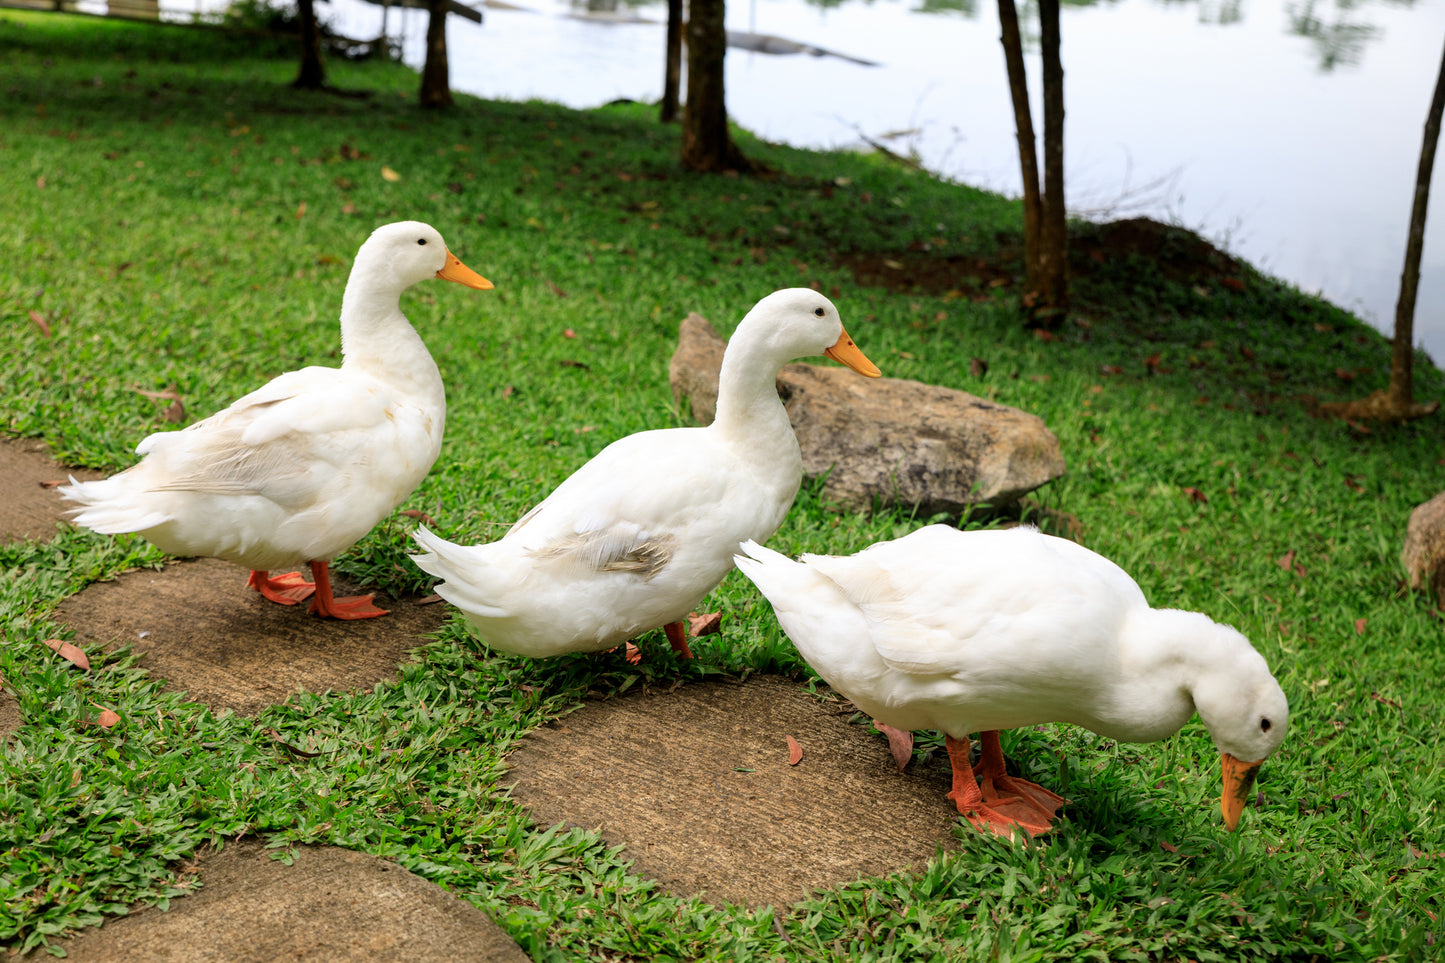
901 441
1423 554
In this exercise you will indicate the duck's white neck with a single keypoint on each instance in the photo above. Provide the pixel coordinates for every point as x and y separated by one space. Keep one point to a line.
750 416
1163 656
378 339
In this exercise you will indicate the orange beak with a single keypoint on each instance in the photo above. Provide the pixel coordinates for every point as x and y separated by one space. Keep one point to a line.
455 270
844 351
1238 781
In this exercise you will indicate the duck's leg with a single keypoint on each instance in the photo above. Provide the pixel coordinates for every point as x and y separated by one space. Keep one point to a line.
287 589
677 637
997 785
900 742
999 815
328 606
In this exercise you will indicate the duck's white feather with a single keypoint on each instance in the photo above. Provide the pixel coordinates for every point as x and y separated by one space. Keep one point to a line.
303 467
641 533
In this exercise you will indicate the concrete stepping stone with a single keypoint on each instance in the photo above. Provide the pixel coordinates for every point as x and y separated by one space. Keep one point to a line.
331 905
27 508
697 784
207 634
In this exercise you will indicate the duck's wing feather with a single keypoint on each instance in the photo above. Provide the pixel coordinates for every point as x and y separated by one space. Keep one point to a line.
940 600
271 441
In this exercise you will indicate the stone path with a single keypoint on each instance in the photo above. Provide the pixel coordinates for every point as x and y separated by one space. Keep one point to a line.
28 509
206 633
696 783
331 904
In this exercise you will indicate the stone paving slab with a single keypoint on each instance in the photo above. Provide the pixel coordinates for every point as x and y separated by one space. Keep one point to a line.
696 783
207 634
331 904
27 508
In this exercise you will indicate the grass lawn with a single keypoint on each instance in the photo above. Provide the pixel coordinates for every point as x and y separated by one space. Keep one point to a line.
176 215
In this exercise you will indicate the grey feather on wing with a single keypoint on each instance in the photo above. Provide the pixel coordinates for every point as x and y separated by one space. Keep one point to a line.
604 552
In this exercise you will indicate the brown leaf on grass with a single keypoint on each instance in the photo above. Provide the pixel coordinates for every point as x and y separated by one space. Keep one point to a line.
1234 284
300 210
429 600
54 484
1384 701
508 391
175 413
795 752
557 291
1245 353
1360 626
568 333
69 652
420 516
703 623
107 717
1168 847
40 182
390 175
1196 496
171 393
294 750
1344 374
1286 561
1352 482
40 323
1110 369
977 367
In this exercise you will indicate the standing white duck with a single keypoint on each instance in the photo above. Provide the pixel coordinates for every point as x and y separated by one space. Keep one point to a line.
303 467
987 630
642 532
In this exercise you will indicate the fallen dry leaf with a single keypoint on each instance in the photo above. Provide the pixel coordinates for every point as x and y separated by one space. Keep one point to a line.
420 516
429 600
1195 495
107 717
69 652
977 367
1286 561
300 210
1360 626
795 752
1384 701
388 174
54 484
1168 847
171 393
557 291
40 323
175 412
1234 284
703 623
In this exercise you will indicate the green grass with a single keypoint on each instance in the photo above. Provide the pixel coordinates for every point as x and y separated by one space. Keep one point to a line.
152 182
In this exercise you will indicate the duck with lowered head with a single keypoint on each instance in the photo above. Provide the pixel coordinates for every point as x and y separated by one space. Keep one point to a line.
987 630
641 533
303 467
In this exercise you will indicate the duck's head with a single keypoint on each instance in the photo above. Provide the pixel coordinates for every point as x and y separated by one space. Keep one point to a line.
407 252
800 323
1245 711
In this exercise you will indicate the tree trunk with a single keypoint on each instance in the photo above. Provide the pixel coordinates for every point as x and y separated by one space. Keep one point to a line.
1053 235
1402 386
436 90
312 75
672 70
1018 85
706 144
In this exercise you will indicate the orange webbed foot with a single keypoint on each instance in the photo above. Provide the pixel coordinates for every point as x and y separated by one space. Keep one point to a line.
287 589
325 605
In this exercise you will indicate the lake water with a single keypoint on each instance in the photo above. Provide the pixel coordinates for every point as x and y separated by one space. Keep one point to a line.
1287 131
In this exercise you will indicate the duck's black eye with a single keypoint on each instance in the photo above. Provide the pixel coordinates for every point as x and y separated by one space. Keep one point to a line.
818 312
421 240
1264 725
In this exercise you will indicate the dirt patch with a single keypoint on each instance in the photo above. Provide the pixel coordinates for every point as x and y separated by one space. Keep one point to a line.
28 509
1181 256
696 783
207 634
331 904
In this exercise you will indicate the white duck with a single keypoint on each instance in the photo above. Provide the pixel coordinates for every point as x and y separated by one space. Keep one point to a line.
987 630
303 467
642 532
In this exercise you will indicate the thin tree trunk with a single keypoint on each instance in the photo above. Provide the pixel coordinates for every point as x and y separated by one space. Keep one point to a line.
312 75
1402 386
1053 236
706 144
1013 56
672 70
436 90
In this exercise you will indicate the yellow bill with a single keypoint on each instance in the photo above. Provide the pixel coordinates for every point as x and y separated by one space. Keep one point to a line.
1238 781
844 351
455 270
